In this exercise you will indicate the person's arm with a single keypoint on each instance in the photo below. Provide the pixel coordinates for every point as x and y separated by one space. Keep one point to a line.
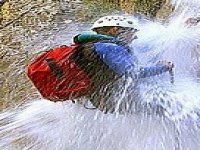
153 70
122 62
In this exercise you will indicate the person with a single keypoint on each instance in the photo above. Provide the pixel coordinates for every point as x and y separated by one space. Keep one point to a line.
106 57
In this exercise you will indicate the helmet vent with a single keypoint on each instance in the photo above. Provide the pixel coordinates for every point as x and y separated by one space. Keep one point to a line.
130 22
101 21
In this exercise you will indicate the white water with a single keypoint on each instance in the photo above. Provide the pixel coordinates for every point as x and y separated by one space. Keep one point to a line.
46 125
178 43
42 124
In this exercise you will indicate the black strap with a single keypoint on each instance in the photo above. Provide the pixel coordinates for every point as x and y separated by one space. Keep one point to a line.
55 67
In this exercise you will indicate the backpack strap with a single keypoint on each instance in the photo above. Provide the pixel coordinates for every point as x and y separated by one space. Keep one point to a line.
55 67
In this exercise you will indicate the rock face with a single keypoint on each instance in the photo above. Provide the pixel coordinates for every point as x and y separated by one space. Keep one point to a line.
21 21
2 2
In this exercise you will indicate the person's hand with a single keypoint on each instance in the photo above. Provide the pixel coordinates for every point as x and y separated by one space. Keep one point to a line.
169 64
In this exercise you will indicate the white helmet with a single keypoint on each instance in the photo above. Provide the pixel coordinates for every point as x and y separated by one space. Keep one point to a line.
119 21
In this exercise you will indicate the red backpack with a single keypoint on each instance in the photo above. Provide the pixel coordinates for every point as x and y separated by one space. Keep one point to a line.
57 77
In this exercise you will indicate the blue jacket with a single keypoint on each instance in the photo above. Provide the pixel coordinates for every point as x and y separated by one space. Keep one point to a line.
119 59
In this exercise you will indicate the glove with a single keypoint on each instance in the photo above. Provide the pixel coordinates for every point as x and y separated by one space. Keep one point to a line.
168 64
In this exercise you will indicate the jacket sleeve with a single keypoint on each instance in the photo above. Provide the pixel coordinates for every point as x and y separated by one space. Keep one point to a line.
123 62
151 71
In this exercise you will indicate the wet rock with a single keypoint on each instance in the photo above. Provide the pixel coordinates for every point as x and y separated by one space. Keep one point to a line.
2 2
2 78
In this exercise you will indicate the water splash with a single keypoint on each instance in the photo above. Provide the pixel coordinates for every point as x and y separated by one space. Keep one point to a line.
46 125
43 124
178 42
